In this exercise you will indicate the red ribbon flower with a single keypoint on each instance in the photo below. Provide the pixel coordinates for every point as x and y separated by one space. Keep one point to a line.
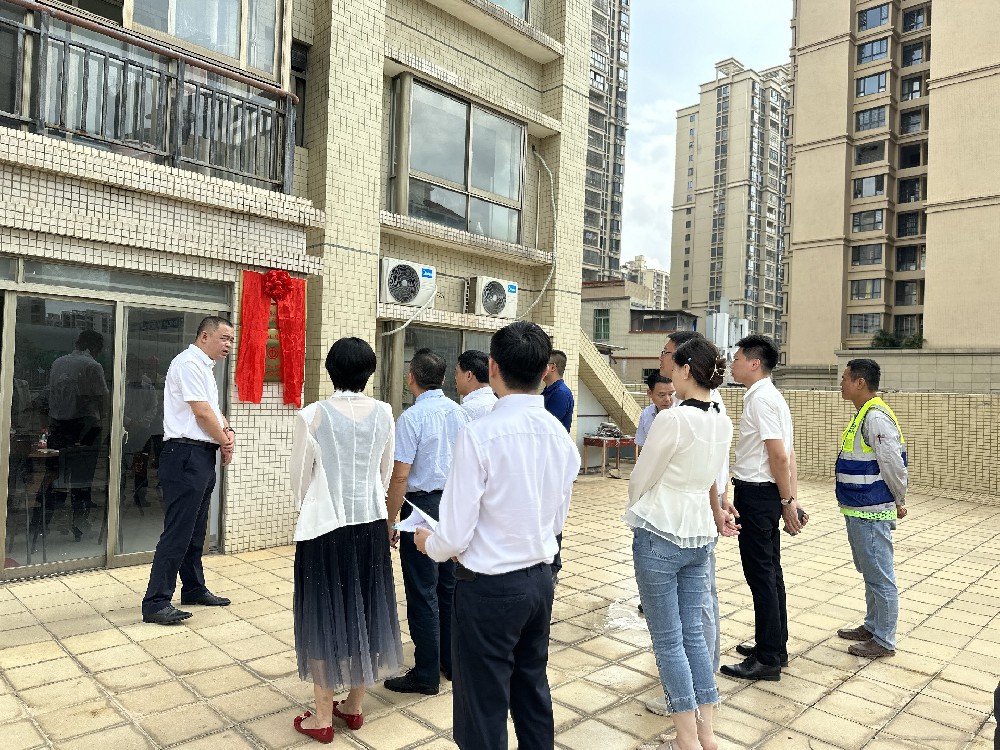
277 284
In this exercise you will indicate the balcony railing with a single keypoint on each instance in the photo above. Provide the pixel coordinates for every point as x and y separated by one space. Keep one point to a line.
66 75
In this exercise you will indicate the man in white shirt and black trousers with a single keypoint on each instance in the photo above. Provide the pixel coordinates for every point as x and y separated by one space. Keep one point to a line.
472 381
506 498
765 479
194 429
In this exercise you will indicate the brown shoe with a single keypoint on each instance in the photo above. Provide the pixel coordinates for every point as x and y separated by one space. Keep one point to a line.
859 633
869 649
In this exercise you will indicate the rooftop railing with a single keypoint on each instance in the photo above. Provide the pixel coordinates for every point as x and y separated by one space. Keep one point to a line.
67 76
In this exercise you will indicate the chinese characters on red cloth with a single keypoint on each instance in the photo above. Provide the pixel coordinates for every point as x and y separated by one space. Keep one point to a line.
290 295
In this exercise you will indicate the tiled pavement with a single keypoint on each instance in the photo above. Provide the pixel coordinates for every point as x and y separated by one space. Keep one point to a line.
79 670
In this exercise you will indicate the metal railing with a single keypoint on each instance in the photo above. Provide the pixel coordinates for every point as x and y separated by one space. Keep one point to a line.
63 74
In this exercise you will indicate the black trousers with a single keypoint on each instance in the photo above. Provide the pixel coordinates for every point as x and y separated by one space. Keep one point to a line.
429 588
996 713
187 477
760 553
500 647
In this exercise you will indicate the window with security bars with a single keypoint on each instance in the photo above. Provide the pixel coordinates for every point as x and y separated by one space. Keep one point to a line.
911 122
911 257
869 119
865 323
907 293
602 324
906 326
909 190
908 224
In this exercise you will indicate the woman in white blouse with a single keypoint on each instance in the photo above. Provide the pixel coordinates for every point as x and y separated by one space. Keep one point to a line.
672 494
346 628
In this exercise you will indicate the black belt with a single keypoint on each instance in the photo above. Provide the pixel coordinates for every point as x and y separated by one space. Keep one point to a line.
742 483
191 441
421 493
462 573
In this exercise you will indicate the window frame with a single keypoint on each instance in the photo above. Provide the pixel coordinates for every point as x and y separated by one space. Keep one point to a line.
400 178
878 185
882 10
870 119
879 50
877 223
907 92
861 90
866 321
862 289
602 316
864 255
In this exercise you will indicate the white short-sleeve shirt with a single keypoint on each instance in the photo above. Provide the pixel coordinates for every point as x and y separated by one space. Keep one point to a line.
190 377
765 417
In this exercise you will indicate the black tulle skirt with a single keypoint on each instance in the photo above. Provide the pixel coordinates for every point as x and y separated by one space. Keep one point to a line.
346 628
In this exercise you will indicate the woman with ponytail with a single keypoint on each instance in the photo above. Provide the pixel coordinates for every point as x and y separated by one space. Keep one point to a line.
674 534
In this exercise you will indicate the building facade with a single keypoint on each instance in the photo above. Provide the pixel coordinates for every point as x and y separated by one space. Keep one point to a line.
620 318
606 127
658 280
727 240
894 206
149 158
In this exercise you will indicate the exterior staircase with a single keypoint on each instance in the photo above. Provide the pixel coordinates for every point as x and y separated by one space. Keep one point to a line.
607 387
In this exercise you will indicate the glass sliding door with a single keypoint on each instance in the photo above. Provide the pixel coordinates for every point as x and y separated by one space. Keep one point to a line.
153 338
59 468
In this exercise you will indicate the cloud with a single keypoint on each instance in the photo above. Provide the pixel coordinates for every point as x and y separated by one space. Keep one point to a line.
649 181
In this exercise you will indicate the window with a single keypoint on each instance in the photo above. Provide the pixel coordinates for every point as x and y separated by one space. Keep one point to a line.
110 9
907 292
866 255
869 152
599 61
909 190
602 324
866 289
913 54
908 224
909 156
866 187
479 176
869 119
911 88
911 257
873 84
216 25
873 17
691 118
865 323
910 122
299 63
914 19
867 221
871 51
909 325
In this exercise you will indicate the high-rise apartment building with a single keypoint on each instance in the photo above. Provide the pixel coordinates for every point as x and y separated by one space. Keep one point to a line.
606 121
638 271
727 241
894 192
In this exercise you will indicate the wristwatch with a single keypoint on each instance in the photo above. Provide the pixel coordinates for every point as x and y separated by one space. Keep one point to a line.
230 429
789 501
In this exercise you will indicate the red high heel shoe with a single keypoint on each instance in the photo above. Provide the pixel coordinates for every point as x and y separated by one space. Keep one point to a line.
324 735
354 721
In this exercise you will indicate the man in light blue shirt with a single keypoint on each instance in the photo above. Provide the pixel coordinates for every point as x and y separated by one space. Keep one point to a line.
660 391
425 437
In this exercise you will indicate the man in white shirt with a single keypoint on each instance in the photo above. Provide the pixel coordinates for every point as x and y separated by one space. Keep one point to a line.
765 481
660 391
194 428
507 497
472 380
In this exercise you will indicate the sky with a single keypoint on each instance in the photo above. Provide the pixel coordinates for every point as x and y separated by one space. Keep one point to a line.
673 48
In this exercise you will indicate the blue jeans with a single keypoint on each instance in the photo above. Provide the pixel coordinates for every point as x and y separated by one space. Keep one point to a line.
710 616
871 546
672 585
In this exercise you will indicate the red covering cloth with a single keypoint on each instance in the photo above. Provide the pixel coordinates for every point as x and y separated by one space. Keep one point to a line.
255 311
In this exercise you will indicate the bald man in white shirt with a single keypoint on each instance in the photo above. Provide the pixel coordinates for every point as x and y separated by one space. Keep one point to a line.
506 498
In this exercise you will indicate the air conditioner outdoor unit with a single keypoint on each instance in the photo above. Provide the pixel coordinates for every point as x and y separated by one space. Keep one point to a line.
406 283
493 297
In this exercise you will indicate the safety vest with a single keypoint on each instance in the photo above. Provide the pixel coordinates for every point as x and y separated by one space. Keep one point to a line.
859 479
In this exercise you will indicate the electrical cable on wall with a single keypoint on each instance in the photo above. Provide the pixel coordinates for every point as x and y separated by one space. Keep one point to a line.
555 234
548 280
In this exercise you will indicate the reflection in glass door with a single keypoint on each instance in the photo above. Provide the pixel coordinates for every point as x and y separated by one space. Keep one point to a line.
59 465
153 338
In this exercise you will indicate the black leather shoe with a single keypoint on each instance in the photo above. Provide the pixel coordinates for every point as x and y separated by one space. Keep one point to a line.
208 599
745 649
446 673
751 669
166 616
406 684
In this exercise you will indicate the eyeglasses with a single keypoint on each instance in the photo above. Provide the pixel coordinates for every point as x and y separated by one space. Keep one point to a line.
664 353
